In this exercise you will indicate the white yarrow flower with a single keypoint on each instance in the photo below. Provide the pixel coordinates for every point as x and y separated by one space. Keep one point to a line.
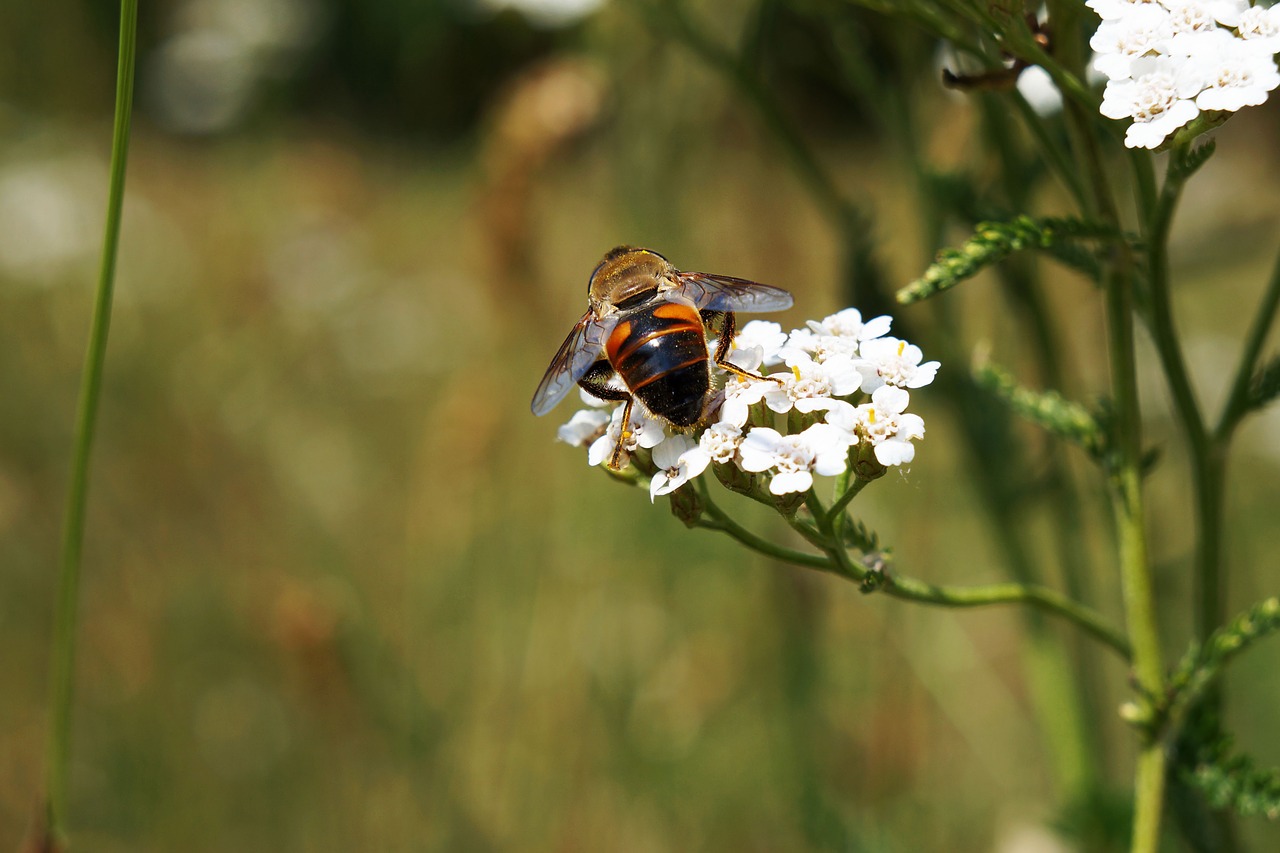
813 385
890 361
836 334
885 424
1039 90
1192 16
1118 42
849 324
678 460
585 425
721 441
1227 12
794 459
833 361
1261 26
739 395
1236 76
1159 102
1166 62
758 343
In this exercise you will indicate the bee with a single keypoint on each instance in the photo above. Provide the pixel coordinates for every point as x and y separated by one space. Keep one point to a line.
647 323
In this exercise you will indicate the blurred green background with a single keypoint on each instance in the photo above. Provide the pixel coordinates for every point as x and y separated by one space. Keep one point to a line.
341 590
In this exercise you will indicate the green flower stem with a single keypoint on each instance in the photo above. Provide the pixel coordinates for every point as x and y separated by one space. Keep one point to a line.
842 213
1238 400
1136 579
847 493
1206 460
1020 284
829 540
1135 570
722 522
910 589
1211 470
1035 595
1144 175
64 631
1162 325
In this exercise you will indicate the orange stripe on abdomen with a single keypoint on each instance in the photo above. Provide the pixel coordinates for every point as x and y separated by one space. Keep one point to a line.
647 324
677 311
662 341
617 338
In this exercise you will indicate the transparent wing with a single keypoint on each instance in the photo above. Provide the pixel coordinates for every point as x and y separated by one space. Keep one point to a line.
579 351
725 293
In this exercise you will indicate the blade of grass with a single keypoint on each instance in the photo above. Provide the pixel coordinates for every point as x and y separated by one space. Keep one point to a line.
62 676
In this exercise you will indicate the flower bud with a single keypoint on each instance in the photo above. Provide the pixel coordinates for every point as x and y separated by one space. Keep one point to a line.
687 505
735 479
789 503
865 464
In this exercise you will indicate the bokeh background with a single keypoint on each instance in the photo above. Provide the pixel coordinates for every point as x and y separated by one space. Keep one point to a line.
341 590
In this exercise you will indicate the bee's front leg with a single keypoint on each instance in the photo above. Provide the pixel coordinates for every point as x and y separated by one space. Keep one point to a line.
728 328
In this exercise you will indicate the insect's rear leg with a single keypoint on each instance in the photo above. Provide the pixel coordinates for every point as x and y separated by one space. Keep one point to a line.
596 383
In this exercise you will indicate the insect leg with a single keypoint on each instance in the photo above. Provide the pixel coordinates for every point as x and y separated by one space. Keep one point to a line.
615 461
728 328
596 383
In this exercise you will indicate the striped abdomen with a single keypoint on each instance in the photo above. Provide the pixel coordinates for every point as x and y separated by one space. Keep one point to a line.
660 351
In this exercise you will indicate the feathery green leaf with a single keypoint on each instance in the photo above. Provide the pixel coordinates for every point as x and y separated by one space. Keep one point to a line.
992 242
1048 409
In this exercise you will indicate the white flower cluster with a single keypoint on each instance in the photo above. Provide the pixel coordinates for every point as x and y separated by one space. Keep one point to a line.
1168 61
847 376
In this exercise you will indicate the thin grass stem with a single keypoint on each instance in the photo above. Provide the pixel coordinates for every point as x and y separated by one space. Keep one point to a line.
62 678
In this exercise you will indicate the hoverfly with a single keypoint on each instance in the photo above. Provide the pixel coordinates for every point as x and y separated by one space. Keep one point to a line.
647 322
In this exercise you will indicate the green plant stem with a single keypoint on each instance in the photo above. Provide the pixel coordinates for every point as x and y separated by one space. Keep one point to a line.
1211 472
1136 579
846 496
910 589
1207 457
1205 461
1238 400
1135 570
1144 183
62 677
841 213
721 521
1035 595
